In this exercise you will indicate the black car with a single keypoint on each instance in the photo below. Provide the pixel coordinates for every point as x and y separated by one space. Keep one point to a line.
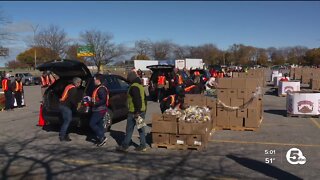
168 72
67 70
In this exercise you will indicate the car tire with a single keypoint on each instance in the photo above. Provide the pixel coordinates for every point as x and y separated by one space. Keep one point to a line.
27 83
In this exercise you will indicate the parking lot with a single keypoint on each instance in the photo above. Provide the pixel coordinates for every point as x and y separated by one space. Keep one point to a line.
30 152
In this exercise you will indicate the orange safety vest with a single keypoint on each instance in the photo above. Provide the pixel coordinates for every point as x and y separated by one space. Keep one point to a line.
161 80
5 84
19 87
65 92
180 80
95 98
197 73
172 99
220 75
187 89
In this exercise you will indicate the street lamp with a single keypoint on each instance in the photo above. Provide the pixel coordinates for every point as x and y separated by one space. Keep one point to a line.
34 42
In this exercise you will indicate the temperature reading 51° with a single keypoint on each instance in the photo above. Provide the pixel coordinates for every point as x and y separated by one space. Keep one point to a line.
269 160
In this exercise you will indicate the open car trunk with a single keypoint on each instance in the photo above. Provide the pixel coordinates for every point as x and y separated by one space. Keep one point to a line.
54 93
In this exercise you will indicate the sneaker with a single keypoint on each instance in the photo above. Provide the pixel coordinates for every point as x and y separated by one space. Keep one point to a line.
65 138
101 143
141 149
121 149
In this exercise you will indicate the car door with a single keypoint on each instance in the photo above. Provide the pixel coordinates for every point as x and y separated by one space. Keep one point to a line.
118 96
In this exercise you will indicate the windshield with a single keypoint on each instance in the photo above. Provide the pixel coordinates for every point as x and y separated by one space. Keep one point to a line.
27 74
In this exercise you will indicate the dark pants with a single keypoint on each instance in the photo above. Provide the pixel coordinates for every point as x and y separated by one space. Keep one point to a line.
18 96
131 122
9 99
67 118
160 93
96 123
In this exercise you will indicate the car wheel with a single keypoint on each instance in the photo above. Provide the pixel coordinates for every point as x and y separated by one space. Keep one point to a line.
107 120
27 83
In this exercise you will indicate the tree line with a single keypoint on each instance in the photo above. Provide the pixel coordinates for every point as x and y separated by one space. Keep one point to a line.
52 42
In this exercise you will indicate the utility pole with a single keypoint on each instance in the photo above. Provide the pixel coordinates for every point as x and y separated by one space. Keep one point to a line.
34 42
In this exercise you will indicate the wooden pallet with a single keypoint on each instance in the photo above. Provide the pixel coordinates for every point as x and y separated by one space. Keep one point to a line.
302 115
178 147
237 128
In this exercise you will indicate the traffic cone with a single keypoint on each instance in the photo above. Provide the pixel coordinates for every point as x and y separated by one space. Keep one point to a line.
41 120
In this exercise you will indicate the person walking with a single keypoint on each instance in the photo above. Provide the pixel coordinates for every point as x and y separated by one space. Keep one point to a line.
137 109
18 91
7 89
160 85
100 99
68 104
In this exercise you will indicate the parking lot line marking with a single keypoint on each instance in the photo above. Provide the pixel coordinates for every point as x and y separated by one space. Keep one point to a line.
115 167
315 122
265 143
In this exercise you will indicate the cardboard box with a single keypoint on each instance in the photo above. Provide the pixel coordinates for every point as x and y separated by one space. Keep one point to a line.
254 113
160 138
178 139
235 74
315 84
197 140
157 117
224 83
238 83
236 102
195 100
233 93
169 117
194 128
165 127
242 113
256 103
232 114
242 93
303 103
288 86
236 122
211 102
252 122
253 83
222 118
223 95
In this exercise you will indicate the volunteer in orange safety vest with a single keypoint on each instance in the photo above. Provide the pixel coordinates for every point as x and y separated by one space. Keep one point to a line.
18 90
100 102
7 89
68 104
173 101
160 85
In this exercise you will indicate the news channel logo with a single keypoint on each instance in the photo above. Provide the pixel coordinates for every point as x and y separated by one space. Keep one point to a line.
295 156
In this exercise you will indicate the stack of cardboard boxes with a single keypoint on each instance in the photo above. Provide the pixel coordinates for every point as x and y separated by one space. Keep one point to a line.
236 92
170 133
306 75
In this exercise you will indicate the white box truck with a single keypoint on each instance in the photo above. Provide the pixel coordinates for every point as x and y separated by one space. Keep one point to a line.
189 63
142 64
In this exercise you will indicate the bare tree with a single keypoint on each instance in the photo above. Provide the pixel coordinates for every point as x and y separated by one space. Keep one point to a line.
4 33
52 37
105 50
181 52
161 49
142 47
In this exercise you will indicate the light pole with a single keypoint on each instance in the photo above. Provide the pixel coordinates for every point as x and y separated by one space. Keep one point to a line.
34 40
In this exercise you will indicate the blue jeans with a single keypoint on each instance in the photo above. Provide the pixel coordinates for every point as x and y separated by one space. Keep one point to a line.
96 124
67 118
131 122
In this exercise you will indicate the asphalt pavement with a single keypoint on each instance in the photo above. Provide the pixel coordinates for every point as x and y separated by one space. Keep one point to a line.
31 152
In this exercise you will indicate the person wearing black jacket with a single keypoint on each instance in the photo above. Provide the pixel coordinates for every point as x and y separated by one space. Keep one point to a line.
100 98
68 103
137 104
7 89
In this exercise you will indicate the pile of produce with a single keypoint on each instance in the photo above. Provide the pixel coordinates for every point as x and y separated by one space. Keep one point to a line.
193 114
